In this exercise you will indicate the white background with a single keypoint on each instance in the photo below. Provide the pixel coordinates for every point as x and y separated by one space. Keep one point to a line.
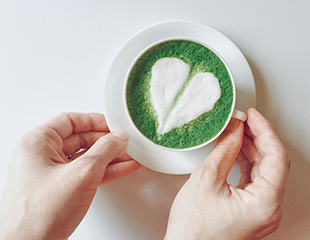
54 57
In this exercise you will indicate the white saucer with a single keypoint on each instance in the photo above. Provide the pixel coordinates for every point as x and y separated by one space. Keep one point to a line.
150 155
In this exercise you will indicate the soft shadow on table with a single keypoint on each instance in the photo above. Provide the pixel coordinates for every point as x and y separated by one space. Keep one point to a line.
140 203
296 207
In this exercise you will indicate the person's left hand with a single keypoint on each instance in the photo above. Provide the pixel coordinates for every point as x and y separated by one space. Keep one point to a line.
51 183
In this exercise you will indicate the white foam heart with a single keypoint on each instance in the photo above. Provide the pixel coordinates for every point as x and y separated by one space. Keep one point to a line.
167 82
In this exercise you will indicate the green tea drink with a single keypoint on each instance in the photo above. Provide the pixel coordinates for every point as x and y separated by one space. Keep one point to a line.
179 94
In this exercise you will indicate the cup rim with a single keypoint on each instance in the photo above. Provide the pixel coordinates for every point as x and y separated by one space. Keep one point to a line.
125 93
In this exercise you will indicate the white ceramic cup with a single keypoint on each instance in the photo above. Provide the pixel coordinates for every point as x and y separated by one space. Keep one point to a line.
234 113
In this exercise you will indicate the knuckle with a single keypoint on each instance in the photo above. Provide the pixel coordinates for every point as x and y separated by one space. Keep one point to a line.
272 215
30 139
206 173
37 139
112 142
284 157
64 115
227 143
274 220
267 220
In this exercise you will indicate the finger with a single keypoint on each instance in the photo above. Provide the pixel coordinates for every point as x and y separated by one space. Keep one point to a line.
248 161
274 164
121 158
225 152
77 141
108 147
251 154
67 123
262 133
92 165
76 155
119 169
245 168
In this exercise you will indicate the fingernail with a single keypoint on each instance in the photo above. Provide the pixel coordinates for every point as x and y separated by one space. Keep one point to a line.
233 125
121 134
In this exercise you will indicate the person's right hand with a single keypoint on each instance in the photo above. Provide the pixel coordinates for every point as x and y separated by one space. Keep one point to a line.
207 207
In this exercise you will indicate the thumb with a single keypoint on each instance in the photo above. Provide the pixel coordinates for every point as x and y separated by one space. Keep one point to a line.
222 157
108 147
92 164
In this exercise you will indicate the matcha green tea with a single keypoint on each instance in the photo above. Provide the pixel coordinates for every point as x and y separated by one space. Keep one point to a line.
179 94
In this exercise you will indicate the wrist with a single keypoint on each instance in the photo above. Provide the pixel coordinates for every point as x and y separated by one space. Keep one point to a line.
14 226
179 233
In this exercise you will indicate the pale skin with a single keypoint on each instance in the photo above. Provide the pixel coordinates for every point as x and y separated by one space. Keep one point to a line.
207 207
47 193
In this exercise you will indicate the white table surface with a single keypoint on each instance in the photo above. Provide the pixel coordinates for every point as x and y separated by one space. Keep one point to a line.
55 55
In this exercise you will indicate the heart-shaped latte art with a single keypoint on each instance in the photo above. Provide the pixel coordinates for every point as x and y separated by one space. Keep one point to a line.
178 99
